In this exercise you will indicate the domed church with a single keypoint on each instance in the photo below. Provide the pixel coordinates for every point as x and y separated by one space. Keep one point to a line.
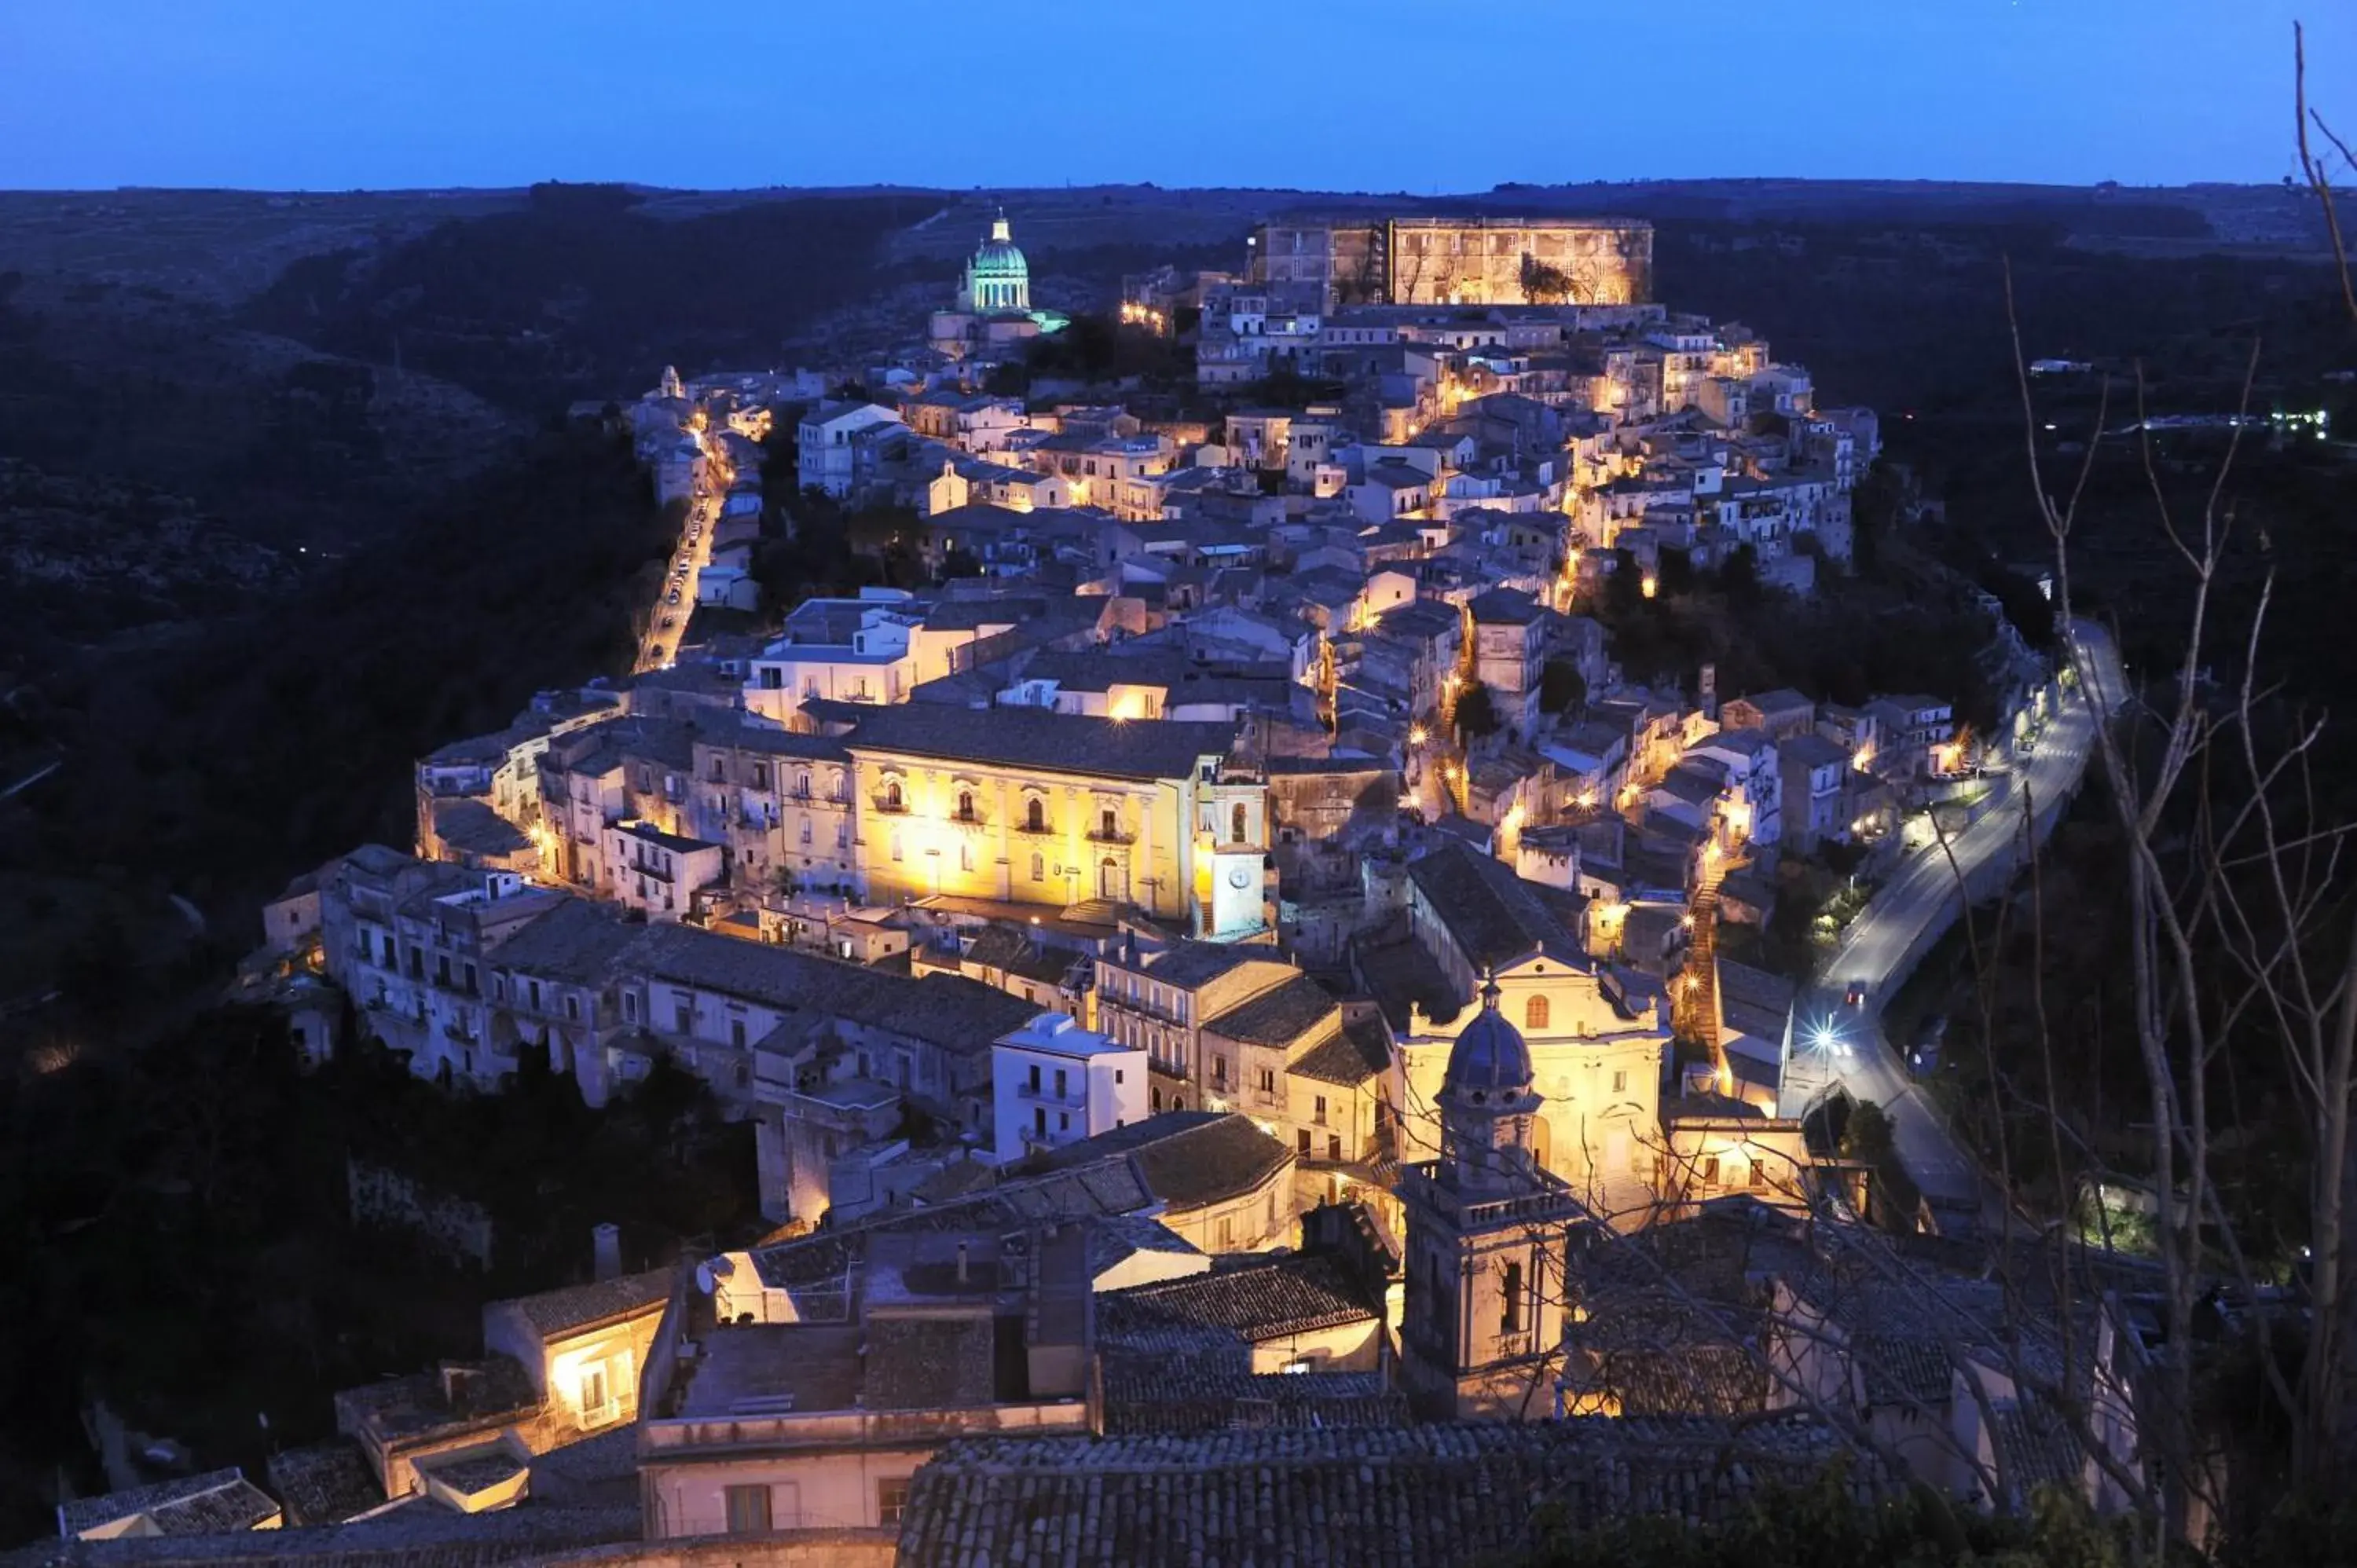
993 315
997 278
1488 1228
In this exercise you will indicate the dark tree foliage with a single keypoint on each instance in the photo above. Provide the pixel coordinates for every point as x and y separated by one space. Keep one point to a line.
1097 347
255 749
197 1266
1477 712
581 293
1562 688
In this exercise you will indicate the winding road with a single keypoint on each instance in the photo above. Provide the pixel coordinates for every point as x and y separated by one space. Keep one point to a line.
1914 908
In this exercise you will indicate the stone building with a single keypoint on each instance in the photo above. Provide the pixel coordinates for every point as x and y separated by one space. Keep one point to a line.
1487 1234
1317 264
1030 807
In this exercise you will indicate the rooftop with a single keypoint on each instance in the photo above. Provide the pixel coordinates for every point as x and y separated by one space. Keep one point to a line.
556 1313
1286 1012
216 1501
1491 913
1262 1300
1369 1496
1032 738
1056 1034
1186 1159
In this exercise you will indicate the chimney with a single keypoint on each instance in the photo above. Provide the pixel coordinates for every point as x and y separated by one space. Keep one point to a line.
962 1269
606 1250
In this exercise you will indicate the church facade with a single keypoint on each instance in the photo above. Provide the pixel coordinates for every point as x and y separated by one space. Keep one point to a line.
1488 1241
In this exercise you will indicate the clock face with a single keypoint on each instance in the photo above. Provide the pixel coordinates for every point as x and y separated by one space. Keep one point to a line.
1239 879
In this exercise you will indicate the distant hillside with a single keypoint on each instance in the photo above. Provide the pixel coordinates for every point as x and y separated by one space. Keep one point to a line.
581 294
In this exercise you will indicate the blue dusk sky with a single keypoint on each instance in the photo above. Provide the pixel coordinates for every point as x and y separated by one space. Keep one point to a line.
1374 94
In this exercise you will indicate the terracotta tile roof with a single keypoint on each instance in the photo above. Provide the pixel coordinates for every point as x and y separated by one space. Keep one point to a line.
555 1313
1297 1294
1365 1496
415 1534
928 1363
1493 915
1360 1051
1200 1394
946 1010
323 1483
1186 1159
1032 737
215 1502
1092 1191
1284 1013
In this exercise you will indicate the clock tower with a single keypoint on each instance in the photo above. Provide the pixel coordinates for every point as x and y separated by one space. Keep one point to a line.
1233 823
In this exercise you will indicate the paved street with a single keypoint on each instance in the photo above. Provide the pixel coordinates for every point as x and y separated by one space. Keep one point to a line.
1906 916
691 552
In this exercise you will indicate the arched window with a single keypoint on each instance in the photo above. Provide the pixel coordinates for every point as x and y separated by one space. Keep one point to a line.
1109 823
1236 823
965 805
1535 1012
892 795
1034 817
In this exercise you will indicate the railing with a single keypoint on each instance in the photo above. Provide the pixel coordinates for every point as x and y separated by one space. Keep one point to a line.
851 1429
1102 834
1049 1094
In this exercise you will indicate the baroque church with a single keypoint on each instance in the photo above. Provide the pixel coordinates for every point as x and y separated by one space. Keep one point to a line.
994 310
1487 1234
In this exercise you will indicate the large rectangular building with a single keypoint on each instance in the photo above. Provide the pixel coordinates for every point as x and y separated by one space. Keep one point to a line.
1317 263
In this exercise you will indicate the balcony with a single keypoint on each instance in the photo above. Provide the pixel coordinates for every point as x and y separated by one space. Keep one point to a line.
1113 835
890 805
1045 1093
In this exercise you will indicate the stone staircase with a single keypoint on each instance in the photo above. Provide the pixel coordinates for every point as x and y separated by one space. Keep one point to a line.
1693 1010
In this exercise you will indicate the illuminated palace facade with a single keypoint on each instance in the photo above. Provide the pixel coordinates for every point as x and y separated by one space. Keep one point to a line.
1317 263
1030 807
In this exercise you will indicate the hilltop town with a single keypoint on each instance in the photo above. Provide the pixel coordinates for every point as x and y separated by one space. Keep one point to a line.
1257 1020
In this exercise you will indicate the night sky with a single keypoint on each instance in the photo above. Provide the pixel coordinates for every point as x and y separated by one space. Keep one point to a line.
1375 94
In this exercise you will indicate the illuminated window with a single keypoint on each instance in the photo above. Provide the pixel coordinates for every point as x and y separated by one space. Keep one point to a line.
892 801
1038 868
1535 1012
1034 817
966 806
1619 1083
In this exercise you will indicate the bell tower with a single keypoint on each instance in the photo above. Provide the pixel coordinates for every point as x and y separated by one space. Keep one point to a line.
1487 1234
